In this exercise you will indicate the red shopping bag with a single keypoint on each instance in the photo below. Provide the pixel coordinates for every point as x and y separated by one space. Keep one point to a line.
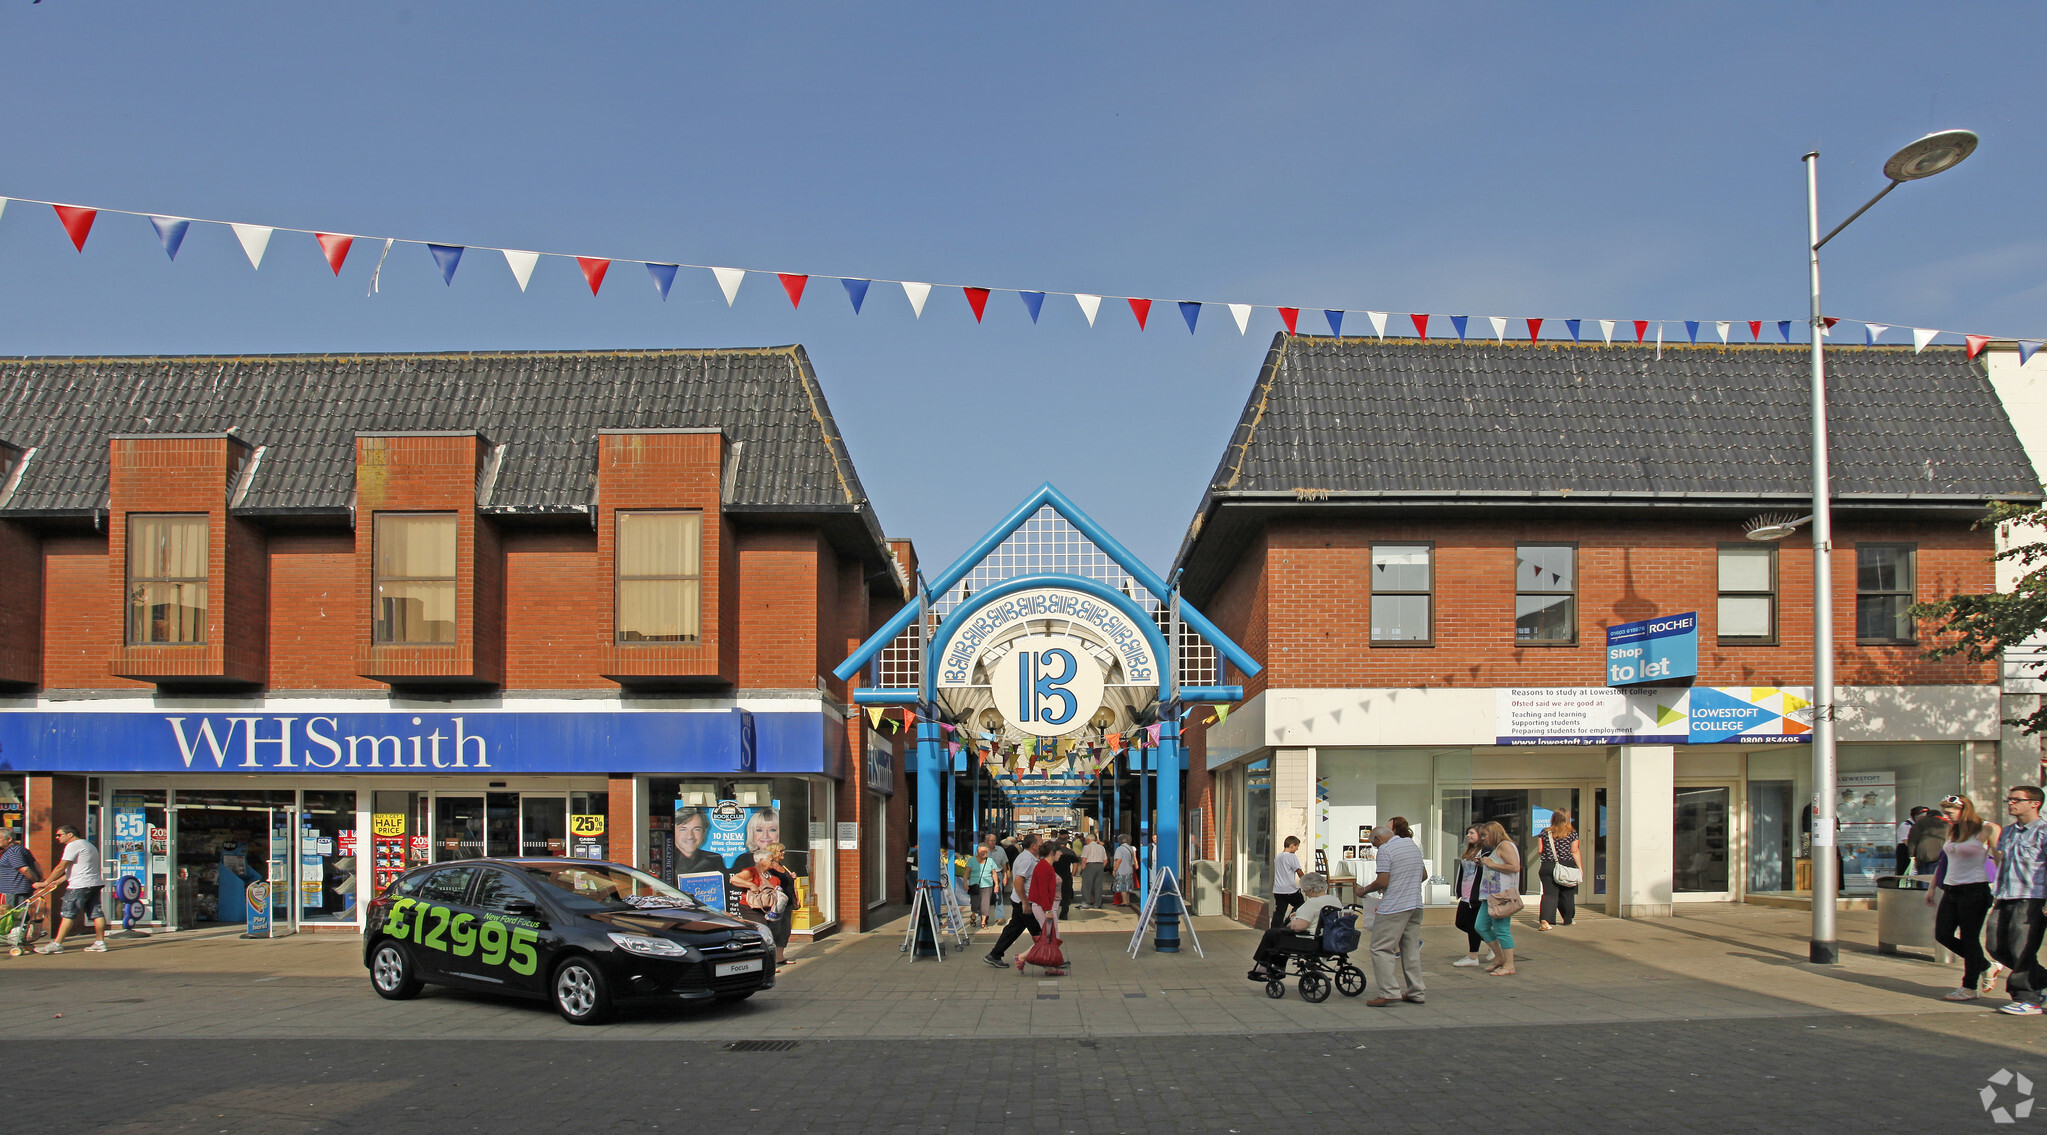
1045 951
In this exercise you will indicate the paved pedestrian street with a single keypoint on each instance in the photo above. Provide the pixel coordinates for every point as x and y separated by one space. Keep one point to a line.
1710 1021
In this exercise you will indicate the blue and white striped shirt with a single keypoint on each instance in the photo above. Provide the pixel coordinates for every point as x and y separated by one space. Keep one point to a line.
1401 859
2022 861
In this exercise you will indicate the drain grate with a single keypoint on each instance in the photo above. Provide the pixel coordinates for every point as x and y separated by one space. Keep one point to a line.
762 1045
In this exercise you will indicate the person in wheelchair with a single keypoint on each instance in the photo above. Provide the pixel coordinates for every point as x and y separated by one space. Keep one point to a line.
1298 934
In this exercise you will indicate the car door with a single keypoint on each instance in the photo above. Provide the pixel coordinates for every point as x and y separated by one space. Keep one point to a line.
439 898
516 933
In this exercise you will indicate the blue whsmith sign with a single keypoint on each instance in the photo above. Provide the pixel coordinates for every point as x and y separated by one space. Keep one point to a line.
1660 651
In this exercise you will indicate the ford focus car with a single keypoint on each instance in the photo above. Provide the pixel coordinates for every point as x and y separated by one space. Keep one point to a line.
585 935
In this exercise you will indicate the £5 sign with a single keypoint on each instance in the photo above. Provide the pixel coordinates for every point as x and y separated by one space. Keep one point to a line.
1047 685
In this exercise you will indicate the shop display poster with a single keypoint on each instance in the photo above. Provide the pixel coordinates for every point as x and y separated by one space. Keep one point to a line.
1702 715
1866 812
586 836
707 887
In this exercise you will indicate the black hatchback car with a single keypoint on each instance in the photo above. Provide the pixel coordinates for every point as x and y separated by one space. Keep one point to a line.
588 936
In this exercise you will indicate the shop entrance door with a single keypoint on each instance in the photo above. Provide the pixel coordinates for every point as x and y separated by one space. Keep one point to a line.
1525 812
472 827
1703 844
222 845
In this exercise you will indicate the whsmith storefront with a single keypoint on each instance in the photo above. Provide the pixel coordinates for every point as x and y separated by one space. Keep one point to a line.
325 803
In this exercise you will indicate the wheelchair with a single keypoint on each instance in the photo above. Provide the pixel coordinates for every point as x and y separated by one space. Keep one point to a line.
1314 969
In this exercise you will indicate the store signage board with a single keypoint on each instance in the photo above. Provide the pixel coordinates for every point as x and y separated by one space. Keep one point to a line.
1657 651
1703 715
486 741
849 836
879 764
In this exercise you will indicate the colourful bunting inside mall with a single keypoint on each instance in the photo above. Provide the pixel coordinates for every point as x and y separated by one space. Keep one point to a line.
78 222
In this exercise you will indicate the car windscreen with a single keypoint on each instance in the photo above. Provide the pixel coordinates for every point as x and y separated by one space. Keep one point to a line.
606 887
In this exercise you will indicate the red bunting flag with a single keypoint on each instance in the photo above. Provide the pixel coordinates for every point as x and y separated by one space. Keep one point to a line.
1142 310
1641 329
1755 330
77 222
1976 344
334 248
977 298
594 268
1289 315
793 284
1421 325
1534 330
1831 320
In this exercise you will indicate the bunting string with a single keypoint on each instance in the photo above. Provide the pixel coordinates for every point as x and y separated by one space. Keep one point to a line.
334 249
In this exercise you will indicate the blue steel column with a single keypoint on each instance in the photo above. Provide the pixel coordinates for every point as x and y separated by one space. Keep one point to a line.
1167 940
928 801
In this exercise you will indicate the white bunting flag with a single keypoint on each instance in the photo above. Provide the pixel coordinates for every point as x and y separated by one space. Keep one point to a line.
1241 312
1876 331
1089 305
1921 336
1606 330
254 238
521 264
3 206
1378 319
728 282
917 294
1721 326
1499 327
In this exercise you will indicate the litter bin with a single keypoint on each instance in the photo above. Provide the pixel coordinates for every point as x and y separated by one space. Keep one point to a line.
1903 918
1208 888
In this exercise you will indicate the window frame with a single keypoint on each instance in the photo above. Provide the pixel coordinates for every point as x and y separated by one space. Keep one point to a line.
619 578
1573 641
1911 592
378 579
204 581
1720 592
1372 592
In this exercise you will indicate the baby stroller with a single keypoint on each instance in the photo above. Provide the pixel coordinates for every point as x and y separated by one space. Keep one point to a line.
22 923
1321 958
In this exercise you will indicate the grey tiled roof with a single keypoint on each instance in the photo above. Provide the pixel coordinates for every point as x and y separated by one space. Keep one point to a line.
1409 418
545 407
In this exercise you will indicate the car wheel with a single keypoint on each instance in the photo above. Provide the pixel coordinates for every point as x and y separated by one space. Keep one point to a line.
391 973
1314 988
1350 981
579 993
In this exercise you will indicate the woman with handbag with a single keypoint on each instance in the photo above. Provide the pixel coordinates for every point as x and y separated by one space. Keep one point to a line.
1558 846
1500 887
1961 894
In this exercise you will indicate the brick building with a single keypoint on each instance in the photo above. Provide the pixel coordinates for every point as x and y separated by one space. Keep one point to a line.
1426 542
317 619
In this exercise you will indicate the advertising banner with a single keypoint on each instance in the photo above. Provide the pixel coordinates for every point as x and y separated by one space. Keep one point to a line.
1866 810
1702 715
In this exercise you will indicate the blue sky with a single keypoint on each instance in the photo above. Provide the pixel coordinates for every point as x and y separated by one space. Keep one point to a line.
1623 161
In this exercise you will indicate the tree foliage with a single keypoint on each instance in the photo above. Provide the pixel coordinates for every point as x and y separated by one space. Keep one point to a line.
1985 626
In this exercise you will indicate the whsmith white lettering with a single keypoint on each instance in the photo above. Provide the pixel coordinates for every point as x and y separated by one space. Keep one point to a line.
215 737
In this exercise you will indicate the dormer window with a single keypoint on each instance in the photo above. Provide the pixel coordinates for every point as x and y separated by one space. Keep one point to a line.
660 576
167 578
415 578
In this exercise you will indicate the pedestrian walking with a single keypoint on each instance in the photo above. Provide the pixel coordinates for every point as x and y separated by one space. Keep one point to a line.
1044 894
18 877
1397 925
77 873
1558 870
1468 902
1063 863
1961 892
1020 919
1126 870
1286 881
2015 917
1499 891
1094 863
981 875
1000 856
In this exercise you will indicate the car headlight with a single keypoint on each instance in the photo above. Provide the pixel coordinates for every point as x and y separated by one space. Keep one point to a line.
649 947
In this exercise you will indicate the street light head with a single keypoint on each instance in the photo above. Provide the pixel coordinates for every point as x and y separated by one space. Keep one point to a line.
1930 155
1773 526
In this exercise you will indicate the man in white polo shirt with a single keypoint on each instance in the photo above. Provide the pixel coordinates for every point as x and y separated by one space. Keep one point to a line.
1397 927
78 873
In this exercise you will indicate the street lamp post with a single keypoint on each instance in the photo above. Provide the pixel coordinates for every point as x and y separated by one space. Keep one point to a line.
1923 158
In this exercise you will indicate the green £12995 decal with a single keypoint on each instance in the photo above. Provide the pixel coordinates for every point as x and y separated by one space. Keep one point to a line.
464 935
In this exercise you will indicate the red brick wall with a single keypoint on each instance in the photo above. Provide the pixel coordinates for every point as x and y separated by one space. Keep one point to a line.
317 620
1300 599
81 615
779 582
21 604
558 611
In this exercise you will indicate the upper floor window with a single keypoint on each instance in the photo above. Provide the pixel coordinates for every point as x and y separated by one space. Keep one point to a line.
1402 581
1748 593
1884 583
1546 593
167 578
660 576
415 577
